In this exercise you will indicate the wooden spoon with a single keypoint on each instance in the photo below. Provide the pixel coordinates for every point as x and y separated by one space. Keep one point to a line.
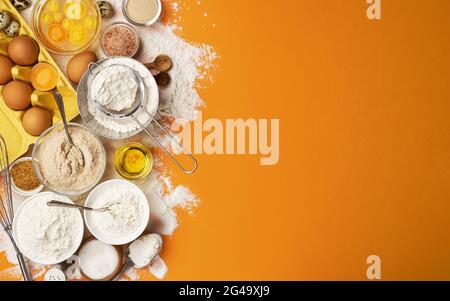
162 63
163 79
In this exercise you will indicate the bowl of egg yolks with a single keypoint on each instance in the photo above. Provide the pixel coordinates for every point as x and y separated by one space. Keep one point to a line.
66 27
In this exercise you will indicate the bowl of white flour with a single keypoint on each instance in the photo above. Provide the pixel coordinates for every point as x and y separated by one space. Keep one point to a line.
127 217
47 235
111 86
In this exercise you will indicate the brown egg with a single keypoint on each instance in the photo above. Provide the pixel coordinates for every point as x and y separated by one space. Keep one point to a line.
5 70
17 95
36 120
79 64
23 50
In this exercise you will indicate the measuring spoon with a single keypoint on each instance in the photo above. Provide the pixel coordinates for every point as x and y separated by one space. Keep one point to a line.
129 263
162 63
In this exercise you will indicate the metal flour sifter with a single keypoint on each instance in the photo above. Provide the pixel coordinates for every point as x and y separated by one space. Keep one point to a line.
138 106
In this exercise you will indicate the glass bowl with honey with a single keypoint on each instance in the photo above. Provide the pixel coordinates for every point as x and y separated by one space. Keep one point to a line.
133 161
66 26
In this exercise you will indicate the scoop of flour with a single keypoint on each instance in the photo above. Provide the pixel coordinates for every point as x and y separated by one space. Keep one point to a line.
115 88
145 249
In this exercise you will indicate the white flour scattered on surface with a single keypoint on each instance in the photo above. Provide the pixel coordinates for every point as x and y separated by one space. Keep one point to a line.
14 272
180 100
164 199
7 247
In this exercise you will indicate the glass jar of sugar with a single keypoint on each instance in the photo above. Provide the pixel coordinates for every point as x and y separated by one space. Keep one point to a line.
142 12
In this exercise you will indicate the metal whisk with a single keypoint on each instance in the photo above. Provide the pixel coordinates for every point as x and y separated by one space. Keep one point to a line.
6 204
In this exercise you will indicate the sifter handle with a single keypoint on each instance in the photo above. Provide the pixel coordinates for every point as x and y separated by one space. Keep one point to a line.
185 151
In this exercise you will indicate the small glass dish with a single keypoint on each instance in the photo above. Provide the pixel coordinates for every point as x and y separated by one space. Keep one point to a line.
64 47
113 26
141 24
21 192
133 149
37 169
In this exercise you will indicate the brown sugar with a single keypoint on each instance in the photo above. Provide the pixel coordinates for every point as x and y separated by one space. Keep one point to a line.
23 176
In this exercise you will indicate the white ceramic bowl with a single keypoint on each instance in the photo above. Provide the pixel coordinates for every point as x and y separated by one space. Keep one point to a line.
79 234
104 189
17 189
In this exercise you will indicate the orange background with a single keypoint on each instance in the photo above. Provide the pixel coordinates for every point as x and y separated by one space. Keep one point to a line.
365 143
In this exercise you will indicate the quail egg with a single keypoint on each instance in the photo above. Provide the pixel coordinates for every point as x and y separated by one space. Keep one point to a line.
5 19
13 29
21 4
106 9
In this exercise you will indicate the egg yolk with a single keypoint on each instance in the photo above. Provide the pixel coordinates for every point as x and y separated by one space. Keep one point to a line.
89 22
56 32
44 77
134 161
54 6
77 35
58 17
68 24
47 18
